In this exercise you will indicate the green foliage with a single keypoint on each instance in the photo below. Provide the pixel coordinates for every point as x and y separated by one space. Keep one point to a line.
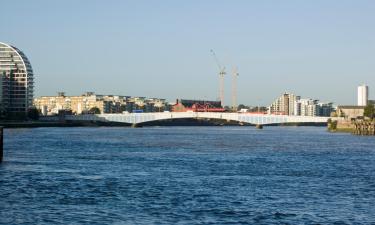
242 106
94 110
33 113
332 125
369 111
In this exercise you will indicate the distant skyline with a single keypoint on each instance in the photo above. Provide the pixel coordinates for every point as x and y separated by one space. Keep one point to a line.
317 49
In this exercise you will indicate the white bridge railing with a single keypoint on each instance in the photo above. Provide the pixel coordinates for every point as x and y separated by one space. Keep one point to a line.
135 118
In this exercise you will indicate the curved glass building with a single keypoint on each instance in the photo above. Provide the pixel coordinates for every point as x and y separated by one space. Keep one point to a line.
17 82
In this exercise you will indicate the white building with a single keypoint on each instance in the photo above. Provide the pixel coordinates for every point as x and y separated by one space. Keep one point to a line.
362 95
284 105
293 105
310 107
306 107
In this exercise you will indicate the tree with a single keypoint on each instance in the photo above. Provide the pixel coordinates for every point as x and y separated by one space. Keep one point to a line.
94 110
33 113
241 106
369 111
332 124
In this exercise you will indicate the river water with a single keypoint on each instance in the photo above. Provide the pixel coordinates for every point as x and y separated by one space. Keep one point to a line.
186 175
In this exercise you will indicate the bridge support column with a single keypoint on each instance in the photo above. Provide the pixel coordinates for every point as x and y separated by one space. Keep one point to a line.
259 126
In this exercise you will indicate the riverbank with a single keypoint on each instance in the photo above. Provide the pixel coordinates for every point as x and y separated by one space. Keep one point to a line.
357 127
344 126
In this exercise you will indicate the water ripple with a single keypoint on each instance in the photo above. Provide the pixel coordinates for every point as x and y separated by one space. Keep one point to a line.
186 175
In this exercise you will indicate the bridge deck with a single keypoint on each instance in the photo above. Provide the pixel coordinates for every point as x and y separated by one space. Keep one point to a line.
136 118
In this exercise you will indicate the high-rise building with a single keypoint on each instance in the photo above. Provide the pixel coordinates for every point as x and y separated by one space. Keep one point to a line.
362 95
325 108
306 107
310 107
16 80
284 105
293 105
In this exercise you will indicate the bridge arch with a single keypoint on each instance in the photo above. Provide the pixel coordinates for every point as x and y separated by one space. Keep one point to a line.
255 119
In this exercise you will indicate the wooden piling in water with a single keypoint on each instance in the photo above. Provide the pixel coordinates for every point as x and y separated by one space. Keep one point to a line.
364 128
1 144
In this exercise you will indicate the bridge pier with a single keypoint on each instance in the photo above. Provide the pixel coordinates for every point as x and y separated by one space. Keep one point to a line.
136 125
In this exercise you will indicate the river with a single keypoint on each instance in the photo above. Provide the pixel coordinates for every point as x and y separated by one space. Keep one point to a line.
186 175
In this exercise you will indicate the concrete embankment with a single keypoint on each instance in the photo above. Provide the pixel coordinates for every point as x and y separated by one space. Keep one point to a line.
357 127
341 126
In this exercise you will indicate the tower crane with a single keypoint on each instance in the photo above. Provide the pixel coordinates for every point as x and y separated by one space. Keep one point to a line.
235 74
221 77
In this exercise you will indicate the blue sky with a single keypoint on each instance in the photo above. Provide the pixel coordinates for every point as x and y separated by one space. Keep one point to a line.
319 49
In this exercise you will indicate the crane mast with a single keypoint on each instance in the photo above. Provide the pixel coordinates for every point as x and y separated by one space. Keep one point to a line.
221 77
235 74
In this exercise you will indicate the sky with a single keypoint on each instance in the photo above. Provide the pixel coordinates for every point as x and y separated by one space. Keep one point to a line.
316 49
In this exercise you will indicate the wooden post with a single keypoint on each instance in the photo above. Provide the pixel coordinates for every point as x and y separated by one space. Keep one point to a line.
1 144
357 128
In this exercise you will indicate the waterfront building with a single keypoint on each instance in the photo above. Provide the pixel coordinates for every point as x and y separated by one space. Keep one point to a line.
293 105
310 107
350 112
306 107
143 104
83 104
16 81
325 108
362 95
186 105
51 105
156 105
284 105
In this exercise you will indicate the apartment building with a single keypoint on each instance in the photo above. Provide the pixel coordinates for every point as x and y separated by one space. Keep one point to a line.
16 81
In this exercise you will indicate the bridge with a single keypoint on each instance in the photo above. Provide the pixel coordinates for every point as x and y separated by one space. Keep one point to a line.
139 118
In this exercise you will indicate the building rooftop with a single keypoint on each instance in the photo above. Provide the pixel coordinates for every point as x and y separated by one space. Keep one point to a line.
350 107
